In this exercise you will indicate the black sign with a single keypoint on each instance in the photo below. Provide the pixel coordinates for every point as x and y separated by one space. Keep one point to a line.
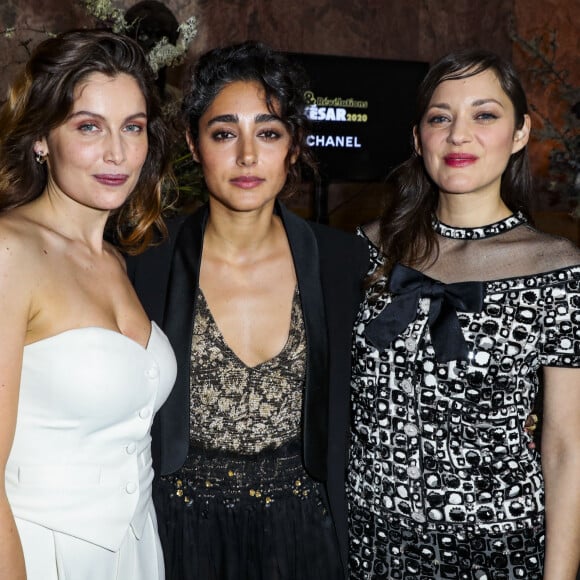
361 112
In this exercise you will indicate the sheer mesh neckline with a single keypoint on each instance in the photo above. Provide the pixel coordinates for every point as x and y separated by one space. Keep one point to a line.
482 232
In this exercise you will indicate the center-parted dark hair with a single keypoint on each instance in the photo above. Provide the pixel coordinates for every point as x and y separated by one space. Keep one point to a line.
284 83
41 99
406 224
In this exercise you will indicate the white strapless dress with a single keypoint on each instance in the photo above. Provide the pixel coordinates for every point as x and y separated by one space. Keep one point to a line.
79 474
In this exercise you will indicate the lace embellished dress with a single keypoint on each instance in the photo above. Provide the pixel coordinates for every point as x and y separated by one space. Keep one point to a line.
243 507
441 482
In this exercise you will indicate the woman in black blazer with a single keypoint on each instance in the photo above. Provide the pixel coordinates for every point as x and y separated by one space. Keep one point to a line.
259 306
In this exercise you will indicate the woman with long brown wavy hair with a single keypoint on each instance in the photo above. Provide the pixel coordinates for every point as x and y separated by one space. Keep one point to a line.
83 149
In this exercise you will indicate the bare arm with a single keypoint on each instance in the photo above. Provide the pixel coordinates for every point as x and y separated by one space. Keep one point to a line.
561 467
14 307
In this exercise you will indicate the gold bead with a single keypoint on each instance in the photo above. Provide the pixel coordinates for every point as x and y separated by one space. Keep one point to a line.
179 492
297 483
208 483
231 473
268 499
252 492
258 494
179 483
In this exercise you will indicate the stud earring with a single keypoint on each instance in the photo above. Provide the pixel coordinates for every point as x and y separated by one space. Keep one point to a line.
40 157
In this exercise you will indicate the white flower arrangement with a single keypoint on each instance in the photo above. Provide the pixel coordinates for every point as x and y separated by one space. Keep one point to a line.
105 11
166 54
163 54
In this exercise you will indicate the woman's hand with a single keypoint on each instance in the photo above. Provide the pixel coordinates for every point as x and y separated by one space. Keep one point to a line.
531 426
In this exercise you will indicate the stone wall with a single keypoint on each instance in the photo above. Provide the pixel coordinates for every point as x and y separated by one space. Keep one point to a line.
553 32
390 29
393 29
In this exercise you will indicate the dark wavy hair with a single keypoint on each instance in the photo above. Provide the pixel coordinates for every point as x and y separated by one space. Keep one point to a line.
406 231
284 83
42 97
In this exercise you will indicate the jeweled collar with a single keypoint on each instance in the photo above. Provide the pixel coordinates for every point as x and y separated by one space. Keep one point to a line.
488 231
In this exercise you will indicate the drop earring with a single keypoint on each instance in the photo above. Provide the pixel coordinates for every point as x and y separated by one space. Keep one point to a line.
40 157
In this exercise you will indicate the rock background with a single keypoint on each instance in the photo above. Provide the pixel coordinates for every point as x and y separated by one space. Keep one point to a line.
388 29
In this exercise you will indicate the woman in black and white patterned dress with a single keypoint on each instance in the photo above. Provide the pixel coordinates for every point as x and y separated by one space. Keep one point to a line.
468 309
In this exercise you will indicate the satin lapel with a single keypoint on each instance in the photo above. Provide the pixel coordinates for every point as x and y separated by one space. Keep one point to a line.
305 253
178 325
149 272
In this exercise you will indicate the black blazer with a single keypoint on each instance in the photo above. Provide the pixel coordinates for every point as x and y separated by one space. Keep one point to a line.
329 265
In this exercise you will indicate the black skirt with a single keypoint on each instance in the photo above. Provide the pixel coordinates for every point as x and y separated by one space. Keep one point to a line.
233 517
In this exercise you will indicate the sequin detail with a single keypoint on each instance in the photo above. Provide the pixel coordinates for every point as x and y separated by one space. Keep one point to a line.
395 551
479 233
233 480
438 449
244 409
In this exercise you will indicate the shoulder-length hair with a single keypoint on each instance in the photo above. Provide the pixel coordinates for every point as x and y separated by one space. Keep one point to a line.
284 83
42 97
406 230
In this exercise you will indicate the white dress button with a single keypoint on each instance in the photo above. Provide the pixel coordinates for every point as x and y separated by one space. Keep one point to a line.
145 413
131 448
131 487
152 372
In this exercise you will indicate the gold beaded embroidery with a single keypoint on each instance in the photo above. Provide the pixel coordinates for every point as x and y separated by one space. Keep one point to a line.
231 480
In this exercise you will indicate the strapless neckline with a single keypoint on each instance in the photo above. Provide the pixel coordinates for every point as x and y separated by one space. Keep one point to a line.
92 329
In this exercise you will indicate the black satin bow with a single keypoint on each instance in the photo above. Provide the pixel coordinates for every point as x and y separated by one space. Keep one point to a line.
408 286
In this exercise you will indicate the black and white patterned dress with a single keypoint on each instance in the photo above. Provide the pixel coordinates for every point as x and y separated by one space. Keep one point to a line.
441 481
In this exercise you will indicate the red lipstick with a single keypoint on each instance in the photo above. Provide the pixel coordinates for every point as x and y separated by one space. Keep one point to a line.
459 159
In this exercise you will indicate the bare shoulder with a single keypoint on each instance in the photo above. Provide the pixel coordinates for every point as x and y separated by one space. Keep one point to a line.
16 238
20 274
20 243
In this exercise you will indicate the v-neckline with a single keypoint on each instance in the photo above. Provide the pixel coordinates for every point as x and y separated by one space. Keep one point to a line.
272 359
